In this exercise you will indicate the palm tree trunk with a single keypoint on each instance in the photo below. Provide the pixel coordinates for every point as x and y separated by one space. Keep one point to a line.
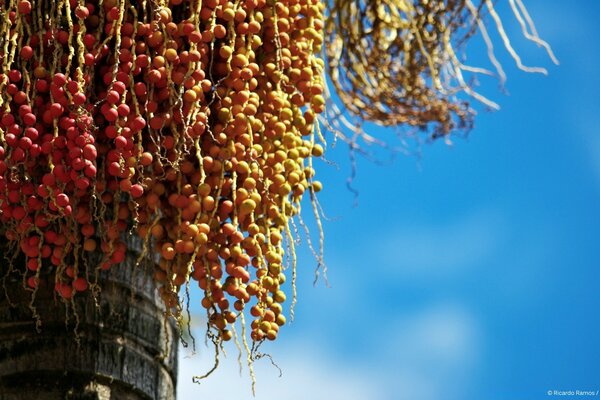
121 347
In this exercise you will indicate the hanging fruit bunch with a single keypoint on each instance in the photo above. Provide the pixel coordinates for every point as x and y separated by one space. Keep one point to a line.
191 123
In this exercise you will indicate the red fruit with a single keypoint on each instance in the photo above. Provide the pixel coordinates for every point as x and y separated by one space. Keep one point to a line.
59 79
14 75
112 97
156 122
56 109
33 264
57 91
19 213
125 56
82 12
113 155
125 185
24 7
168 142
89 41
63 37
11 139
123 78
120 142
142 61
90 152
66 123
20 97
219 31
12 89
154 76
41 222
15 130
7 120
62 200
82 183
127 29
24 109
14 196
32 133
136 191
26 52
110 132
18 154
29 119
79 99
35 150
80 284
41 85
65 290
61 173
49 180
113 14
73 87
151 107
74 151
123 110
34 203
119 87
46 250
89 59
195 37
25 143
117 257
111 114
140 89
87 230
32 282
105 266
78 164
27 189
90 171
138 123
114 168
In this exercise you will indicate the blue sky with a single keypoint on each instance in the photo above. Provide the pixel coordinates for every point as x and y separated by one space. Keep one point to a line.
470 272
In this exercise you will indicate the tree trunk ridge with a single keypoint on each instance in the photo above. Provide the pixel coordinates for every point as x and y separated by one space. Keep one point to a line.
125 350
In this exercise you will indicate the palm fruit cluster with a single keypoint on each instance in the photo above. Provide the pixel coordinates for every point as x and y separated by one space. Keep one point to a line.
189 122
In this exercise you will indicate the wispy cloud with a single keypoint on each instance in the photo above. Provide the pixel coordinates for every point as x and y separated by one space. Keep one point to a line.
434 352
308 373
445 248
426 355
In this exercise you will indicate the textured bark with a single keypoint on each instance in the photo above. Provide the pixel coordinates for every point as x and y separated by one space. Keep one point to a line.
124 350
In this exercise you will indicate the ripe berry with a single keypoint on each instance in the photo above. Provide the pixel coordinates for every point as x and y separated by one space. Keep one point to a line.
24 7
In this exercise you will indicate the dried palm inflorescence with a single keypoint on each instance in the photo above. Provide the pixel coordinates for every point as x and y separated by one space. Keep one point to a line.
396 62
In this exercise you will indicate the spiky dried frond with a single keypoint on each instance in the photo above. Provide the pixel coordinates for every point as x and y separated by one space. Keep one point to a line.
396 62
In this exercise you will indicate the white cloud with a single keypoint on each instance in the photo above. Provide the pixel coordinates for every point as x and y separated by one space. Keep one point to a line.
427 355
443 249
434 353
308 373
445 333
